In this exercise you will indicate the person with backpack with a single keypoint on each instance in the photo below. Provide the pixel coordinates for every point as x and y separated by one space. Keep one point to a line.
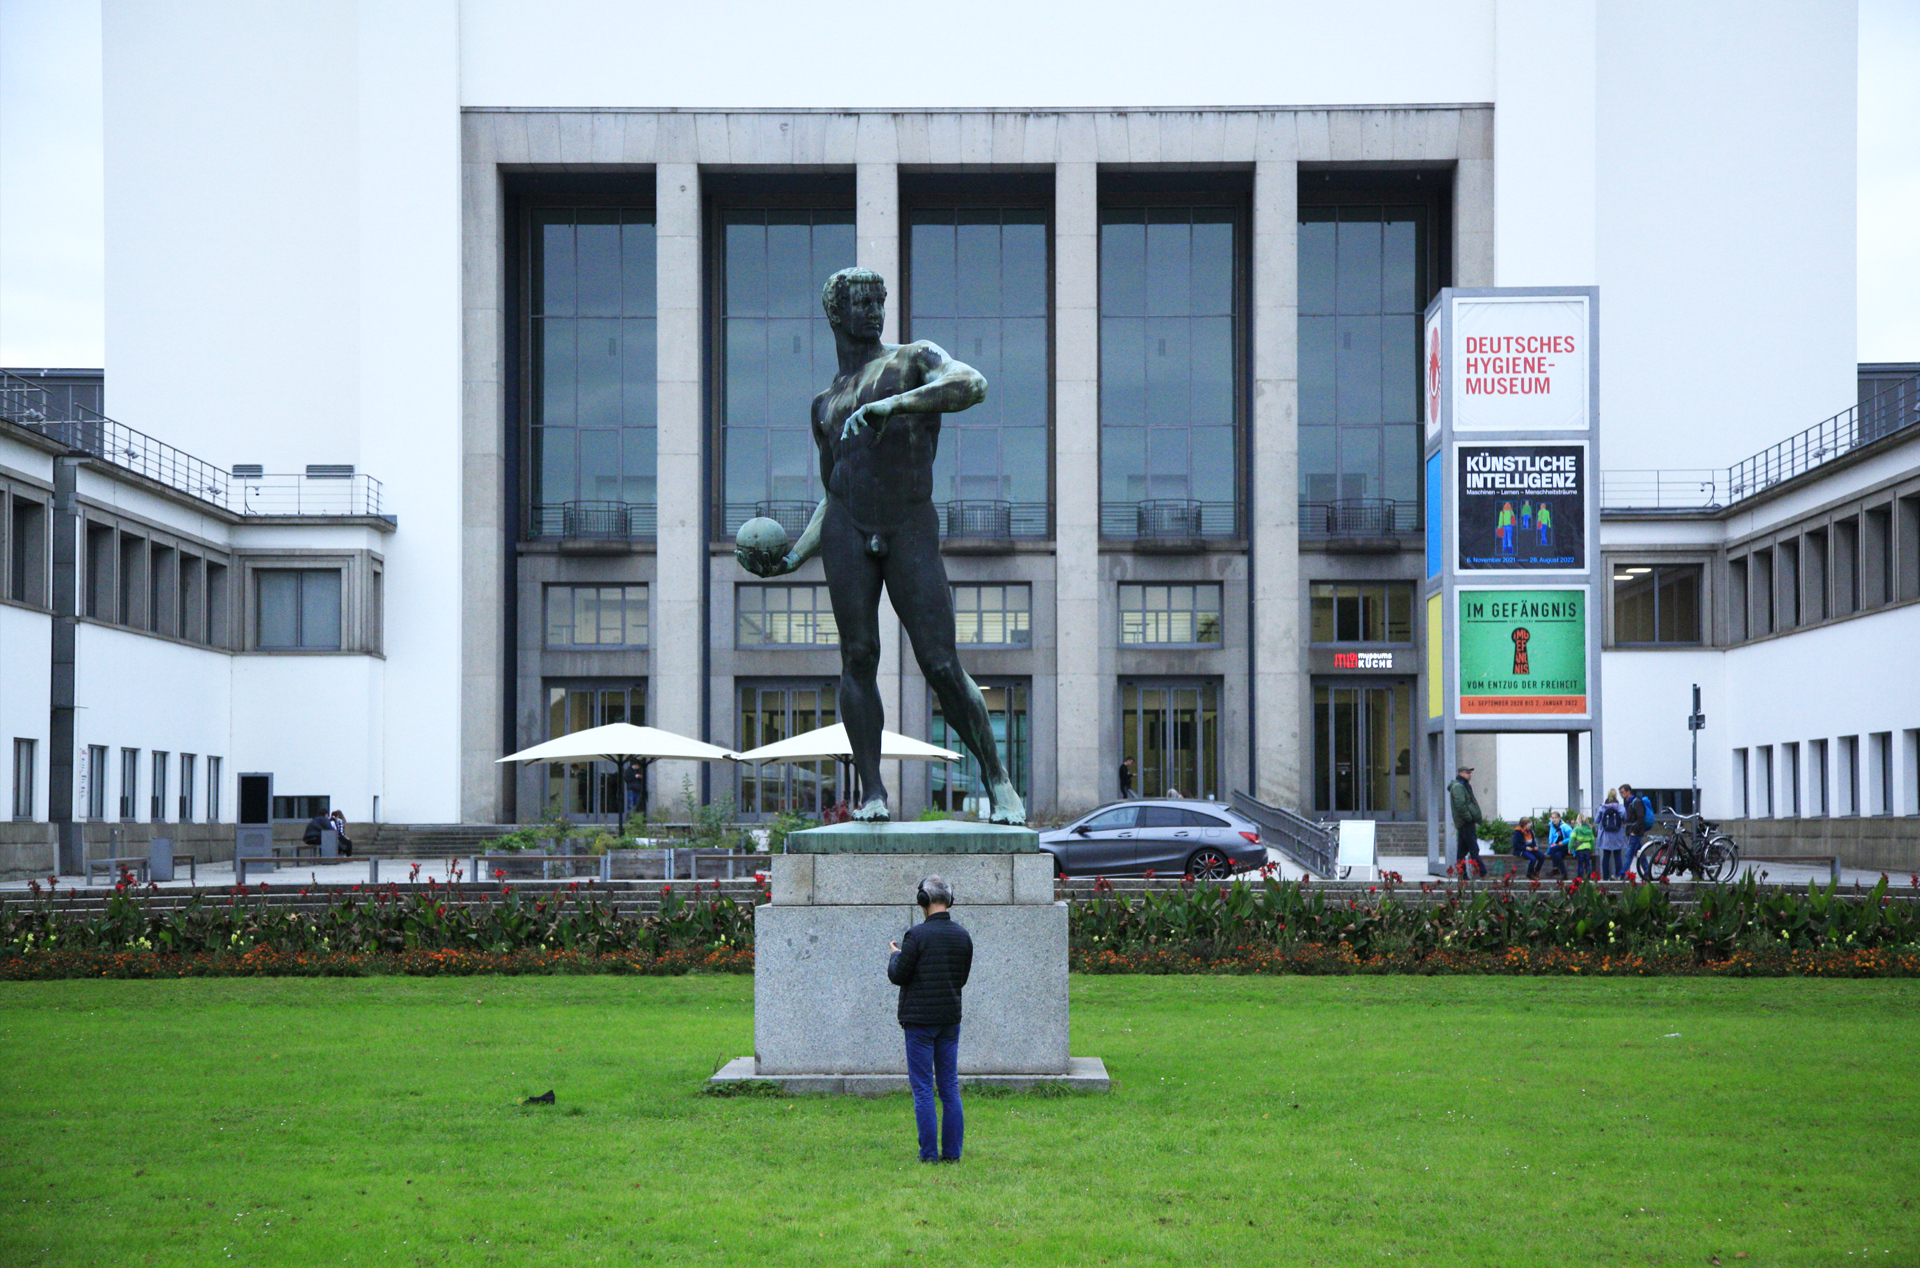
1583 861
1525 847
1639 813
1559 839
1465 808
1612 825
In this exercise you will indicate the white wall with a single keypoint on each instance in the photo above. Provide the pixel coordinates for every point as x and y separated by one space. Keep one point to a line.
283 286
1004 53
26 651
305 719
132 691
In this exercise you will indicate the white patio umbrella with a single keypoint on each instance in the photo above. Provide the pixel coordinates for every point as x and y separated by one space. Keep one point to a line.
831 742
618 742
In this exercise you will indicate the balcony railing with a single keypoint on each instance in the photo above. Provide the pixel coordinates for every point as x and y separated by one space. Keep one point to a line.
593 521
1359 517
1168 519
87 431
1893 410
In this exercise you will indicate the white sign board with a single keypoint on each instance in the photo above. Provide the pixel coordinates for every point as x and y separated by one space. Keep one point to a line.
1357 849
1519 364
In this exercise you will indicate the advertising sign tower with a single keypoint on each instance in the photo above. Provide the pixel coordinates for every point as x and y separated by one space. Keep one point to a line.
1513 596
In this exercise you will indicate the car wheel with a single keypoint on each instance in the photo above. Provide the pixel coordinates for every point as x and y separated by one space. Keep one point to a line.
1209 865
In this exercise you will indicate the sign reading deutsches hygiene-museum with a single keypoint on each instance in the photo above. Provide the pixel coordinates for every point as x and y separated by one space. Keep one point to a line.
1523 653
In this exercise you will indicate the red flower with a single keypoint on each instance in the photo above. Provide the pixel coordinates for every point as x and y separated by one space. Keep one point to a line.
1149 874
499 873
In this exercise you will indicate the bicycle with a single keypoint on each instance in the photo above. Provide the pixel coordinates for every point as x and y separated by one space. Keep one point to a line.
1696 847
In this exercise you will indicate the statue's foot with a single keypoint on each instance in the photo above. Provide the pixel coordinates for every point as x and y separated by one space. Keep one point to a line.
1007 806
874 811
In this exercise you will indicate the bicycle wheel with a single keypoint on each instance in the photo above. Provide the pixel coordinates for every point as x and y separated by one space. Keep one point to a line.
1657 858
1723 859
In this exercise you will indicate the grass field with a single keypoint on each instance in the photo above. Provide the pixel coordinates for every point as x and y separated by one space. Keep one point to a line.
1254 1121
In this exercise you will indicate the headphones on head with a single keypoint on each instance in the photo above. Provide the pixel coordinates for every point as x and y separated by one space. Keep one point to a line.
921 897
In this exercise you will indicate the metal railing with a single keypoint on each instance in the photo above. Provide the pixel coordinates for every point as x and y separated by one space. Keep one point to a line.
1168 518
1359 517
1892 410
993 520
88 431
1313 846
593 521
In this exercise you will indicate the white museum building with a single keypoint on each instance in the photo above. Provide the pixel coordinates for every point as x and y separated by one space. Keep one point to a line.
449 342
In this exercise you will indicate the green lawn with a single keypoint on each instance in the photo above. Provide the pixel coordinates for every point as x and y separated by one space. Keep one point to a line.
1254 1120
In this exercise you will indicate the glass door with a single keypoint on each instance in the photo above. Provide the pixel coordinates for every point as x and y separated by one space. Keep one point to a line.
1363 749
775 711
1171 730
590 790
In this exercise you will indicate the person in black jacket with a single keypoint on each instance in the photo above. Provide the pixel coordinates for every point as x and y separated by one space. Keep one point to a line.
930 965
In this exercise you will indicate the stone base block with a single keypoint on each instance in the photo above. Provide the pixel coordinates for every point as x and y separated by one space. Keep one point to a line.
938 836
1084 1074
885 879
822 1001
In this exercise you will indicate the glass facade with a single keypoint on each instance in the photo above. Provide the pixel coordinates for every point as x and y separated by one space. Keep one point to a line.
1363 748
1169 354
775 711
1362 611
1364 282
979 290
590 789
958 788
778 351
593 401
1171 730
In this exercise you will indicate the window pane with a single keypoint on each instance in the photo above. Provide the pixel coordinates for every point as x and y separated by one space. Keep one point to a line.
279 592
1633 596
320 609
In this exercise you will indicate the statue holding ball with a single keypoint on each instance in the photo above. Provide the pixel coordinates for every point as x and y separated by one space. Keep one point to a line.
877 426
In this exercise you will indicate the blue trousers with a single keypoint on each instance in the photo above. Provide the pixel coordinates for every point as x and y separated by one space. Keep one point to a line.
933 1064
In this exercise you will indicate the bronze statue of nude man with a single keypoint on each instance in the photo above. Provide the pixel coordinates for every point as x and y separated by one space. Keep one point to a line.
877 427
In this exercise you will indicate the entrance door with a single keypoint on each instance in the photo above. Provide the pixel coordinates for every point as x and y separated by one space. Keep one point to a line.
1363 748
776 711
1171 730
590 791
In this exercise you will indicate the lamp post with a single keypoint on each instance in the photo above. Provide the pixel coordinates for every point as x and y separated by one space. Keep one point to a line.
1696 722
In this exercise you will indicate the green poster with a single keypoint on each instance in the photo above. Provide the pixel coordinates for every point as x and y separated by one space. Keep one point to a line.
1523 653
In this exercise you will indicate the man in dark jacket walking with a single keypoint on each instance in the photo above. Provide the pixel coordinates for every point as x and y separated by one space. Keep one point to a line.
930 966
1465 808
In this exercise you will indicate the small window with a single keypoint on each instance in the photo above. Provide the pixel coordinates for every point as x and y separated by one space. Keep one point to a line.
1880 773
993 615
596 616
26 553
1847 777
301 808
784 616
1736 602
96 782
1112 820
157 811
1817 779
1740 781
187 763
1170 615
213 790
1362 611
100 574
1161 817
1764 781
23 779
299 609
1655 605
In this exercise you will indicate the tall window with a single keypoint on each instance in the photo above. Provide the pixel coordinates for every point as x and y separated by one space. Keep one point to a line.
299 609
959 787
979 290
186 787
593 403
129 783
23 779
1818 778
776 711
778 353
1169 355
213 790
1656 605
1365 278
157 812
96 781
590 789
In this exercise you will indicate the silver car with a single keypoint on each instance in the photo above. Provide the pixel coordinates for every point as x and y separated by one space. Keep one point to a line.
1202 839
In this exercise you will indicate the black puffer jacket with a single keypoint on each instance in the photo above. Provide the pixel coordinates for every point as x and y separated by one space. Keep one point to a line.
930 967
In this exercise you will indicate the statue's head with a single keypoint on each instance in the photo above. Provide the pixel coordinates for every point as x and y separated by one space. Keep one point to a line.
856 301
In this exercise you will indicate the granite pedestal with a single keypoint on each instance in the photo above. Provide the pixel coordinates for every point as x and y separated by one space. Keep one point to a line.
823 1016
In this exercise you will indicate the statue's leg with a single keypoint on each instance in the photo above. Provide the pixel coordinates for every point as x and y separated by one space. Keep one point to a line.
854 580
917 587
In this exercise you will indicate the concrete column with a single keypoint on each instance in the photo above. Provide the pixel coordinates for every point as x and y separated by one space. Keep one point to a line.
877 235
680 628
1279 679
1076 386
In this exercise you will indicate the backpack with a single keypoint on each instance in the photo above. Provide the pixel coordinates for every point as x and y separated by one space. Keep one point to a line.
1642 813
1611 820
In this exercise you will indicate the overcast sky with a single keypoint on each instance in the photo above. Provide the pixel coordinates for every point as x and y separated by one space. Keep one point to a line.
51 206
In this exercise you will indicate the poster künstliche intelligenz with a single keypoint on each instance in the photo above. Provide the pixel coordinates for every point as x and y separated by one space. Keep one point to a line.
1522 506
